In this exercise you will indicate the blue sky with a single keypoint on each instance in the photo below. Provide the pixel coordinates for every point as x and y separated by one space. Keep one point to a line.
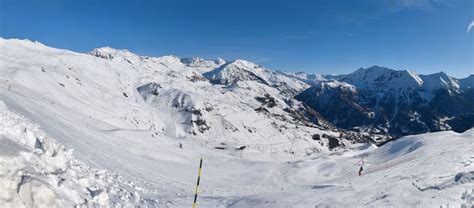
326 36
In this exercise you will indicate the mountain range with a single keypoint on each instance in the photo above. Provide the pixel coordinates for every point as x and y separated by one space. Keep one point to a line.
375 99
398 103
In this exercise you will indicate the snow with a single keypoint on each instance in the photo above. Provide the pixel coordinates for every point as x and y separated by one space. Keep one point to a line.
37 171
203 65
381 78
241 70
112 128
341 85
428 170
311 79
439 80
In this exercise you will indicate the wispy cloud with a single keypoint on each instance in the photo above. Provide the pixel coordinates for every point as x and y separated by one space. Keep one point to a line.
398 5
413 3
469 27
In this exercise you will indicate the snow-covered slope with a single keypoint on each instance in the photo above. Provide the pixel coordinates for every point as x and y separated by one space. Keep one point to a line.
428 170
35 171
138 126
438 81
382 78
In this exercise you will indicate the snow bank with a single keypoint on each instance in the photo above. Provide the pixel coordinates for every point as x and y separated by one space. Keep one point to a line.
36 171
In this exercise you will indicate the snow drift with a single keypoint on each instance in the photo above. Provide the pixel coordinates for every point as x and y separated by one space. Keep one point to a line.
36 171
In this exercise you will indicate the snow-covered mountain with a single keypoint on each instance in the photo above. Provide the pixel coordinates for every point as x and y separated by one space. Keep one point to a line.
240 70
395 102
203 65
112 128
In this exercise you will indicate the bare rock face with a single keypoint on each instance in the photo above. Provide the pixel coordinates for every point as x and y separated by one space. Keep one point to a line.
333 142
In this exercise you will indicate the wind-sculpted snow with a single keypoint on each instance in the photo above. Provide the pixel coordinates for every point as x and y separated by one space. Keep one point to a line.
36 171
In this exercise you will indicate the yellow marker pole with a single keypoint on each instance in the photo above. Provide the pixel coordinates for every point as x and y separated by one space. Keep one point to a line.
197 185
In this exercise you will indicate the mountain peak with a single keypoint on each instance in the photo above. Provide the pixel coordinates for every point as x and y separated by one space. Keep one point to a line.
25 42
203 65
439 80
382 77
244 63
375 70
200 62
233 71
12 43
439 74
110 53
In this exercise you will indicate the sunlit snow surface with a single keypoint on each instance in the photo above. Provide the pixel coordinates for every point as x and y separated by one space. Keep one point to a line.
128 151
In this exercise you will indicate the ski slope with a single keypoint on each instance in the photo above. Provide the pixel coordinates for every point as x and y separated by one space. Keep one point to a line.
75 131
429 170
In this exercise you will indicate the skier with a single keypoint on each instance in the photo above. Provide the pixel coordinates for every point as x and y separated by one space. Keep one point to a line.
361 164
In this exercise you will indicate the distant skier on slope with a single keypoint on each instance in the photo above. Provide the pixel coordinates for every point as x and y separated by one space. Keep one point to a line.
361 163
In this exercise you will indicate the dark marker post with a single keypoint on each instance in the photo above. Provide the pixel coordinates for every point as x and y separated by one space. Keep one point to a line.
197 185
